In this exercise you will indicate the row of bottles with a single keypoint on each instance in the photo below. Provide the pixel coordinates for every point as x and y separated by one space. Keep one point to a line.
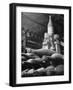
44 61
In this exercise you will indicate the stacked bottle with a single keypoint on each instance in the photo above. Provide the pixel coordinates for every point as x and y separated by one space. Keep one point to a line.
49 36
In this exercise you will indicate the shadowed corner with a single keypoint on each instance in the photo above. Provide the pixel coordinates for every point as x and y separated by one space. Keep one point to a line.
7 83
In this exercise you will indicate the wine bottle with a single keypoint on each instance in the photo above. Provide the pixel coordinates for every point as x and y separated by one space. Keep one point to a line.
57 59
43 51
51 32
57 43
